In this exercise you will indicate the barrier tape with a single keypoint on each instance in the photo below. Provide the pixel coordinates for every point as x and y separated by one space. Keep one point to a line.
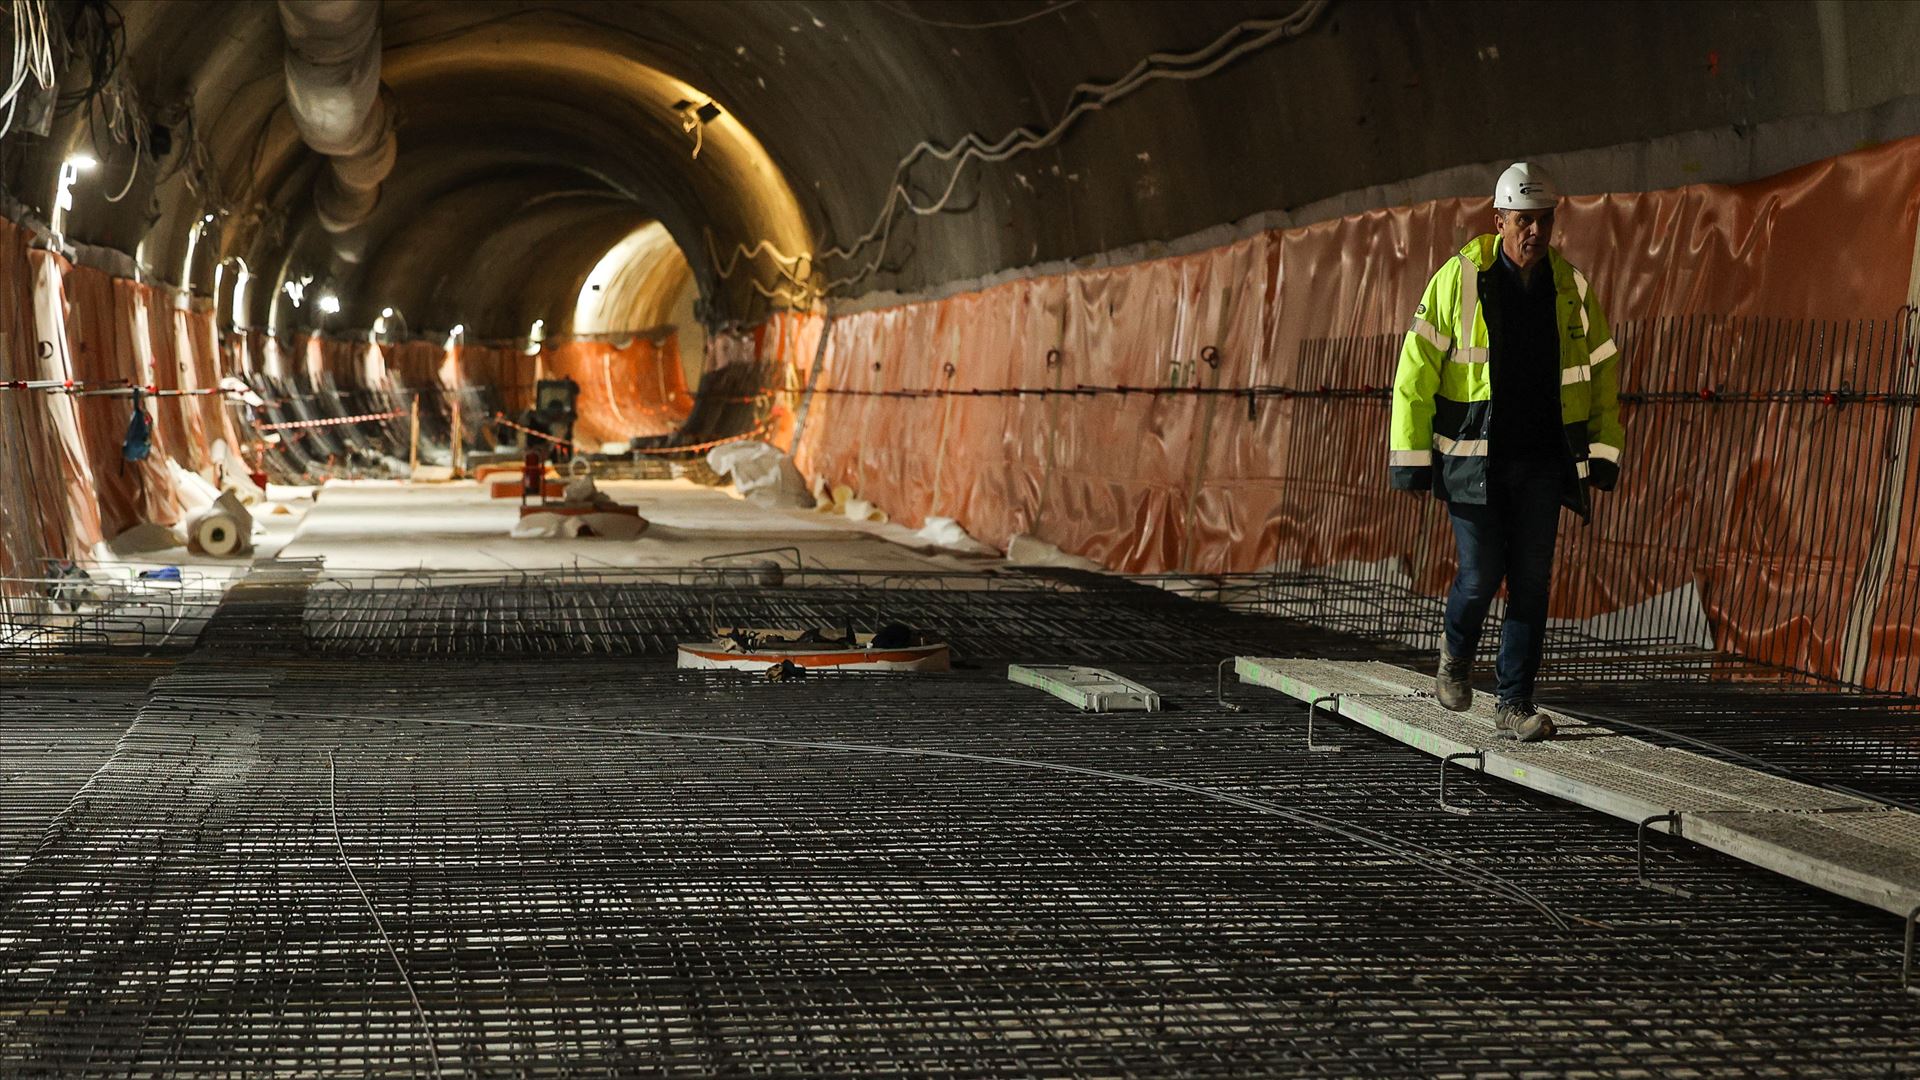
697 447
289 424
501 418
692 448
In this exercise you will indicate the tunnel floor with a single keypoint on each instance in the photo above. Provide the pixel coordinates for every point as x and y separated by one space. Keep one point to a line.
261 857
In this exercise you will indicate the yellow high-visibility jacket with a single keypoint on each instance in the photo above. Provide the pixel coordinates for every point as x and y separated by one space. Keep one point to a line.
1443 391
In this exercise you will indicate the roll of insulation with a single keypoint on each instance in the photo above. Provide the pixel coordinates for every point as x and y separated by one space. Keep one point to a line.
218 534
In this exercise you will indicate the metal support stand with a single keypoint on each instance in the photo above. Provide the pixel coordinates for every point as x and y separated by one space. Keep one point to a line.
1220 687
1672 818
1479 758
1906 957
1322 748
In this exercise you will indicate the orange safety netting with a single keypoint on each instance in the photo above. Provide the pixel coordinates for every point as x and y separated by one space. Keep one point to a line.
1699 282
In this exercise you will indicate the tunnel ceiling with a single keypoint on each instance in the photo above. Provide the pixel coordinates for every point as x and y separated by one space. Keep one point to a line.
533 137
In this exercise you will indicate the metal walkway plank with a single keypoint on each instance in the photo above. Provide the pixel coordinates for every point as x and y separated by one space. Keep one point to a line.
1846 845
1871 856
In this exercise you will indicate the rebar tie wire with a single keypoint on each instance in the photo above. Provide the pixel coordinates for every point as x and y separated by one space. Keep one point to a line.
1439 862
346 864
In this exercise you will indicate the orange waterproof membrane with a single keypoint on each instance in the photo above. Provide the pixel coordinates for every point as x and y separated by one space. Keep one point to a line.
68 485
752 380
627 389
1226 410
1890 651
171 421
203 357
33 517
54 352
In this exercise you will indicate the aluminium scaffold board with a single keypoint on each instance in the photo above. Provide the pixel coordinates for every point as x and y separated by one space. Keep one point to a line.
1852 847
1088 689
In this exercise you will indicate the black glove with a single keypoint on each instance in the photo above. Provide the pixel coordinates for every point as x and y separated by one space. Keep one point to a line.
1414 478
1602 473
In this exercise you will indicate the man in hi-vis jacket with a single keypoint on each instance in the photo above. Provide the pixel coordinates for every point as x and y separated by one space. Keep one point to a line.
1506 406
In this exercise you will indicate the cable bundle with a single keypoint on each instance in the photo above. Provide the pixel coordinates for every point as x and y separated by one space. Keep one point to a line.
32 56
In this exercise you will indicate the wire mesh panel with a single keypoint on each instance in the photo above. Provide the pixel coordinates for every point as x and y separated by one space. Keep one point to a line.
612 868
983 617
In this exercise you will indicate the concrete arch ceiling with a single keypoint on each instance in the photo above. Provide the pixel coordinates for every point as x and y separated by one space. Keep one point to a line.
510 111
819 100
532 152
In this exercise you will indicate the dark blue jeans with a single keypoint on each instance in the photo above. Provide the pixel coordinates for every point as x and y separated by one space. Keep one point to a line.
1510 539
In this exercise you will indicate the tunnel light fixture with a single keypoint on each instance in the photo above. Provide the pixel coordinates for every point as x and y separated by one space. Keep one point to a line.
328 303
536 334
70 171
694 117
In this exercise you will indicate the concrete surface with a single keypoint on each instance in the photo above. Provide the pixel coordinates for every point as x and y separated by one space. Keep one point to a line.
388 525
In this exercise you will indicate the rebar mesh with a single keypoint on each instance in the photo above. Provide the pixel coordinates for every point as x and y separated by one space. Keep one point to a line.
982 616
597 865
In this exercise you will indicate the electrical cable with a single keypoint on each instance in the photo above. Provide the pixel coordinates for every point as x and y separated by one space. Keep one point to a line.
333 815
800 290
137 127
32 55
997 24
1085 98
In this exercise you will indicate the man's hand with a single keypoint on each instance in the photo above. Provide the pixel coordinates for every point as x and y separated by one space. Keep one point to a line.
1602 474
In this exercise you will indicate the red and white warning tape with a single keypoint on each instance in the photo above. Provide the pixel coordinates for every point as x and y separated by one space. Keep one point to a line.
697 447
364 418
501 418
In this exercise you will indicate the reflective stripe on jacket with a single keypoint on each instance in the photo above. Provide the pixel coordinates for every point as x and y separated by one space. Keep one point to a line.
1443 391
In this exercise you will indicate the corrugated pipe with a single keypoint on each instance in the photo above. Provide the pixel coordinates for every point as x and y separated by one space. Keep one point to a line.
334 93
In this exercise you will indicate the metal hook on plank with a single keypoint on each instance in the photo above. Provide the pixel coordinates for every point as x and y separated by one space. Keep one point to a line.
1480 757
1906 957
1323 748
1672 819
1220 687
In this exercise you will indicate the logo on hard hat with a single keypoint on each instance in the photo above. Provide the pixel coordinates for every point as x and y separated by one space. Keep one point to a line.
1529 189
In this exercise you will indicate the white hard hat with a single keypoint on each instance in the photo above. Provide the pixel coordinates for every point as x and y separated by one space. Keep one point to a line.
1525 187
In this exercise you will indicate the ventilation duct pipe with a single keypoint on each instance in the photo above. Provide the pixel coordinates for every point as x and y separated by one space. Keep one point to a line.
333 91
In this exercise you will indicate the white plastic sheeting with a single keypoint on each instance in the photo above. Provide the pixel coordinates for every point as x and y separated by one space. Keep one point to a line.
764 475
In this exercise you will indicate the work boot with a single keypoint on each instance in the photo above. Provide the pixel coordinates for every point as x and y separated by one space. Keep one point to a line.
1452 684
1520 720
